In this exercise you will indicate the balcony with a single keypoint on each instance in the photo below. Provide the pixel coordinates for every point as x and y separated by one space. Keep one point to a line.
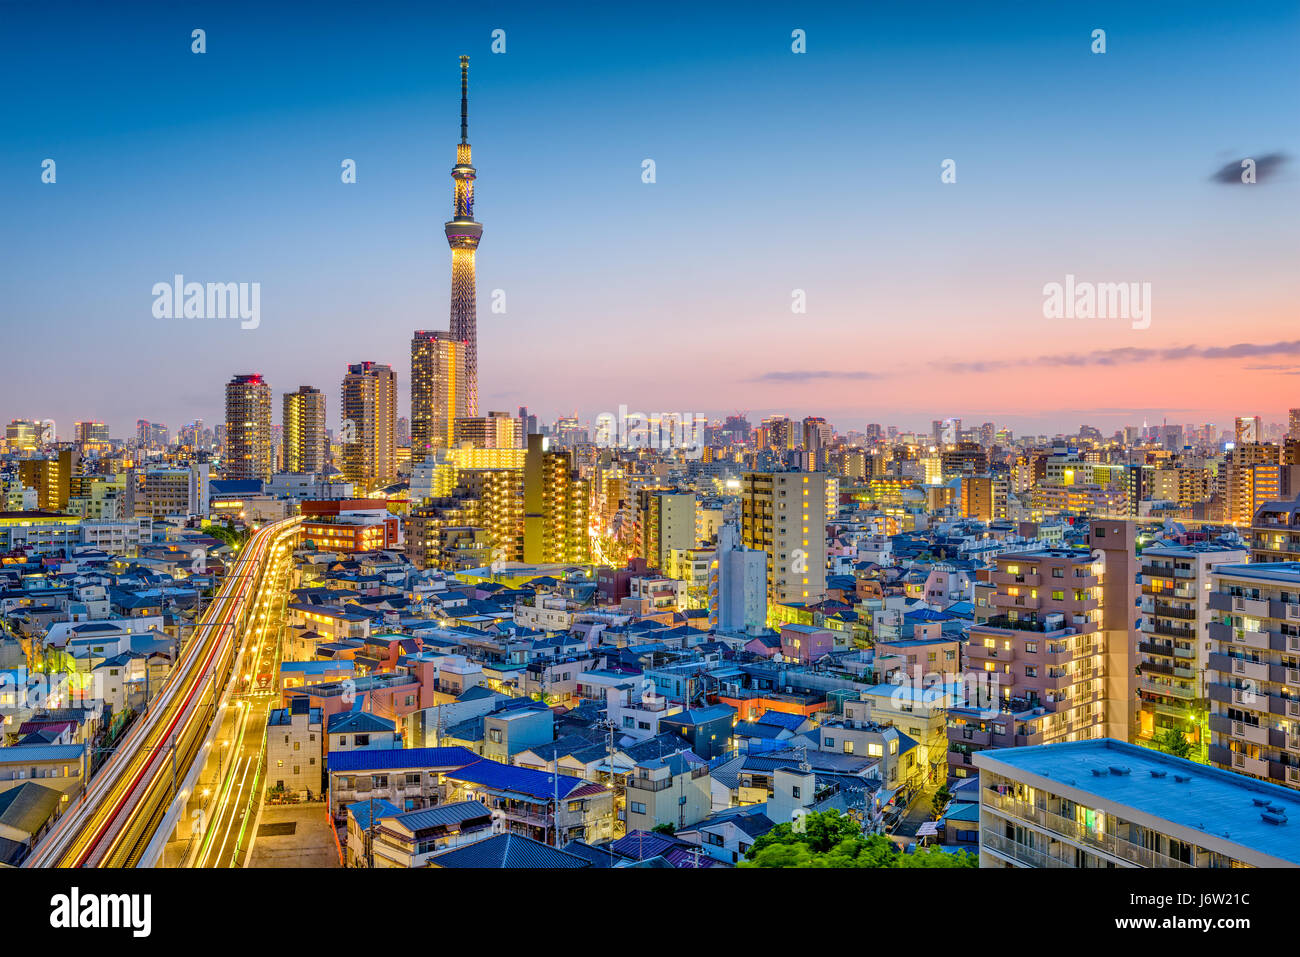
1255 607
1071 830
1166 610
1247 765
1172 631
1167 689
1156 648
1020 853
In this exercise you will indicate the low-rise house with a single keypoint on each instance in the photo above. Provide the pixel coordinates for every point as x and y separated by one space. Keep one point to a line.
536 804
360 730
669 790
407 778
26 813
727 835
391 838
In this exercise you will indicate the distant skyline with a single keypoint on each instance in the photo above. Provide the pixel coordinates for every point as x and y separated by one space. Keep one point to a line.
775 172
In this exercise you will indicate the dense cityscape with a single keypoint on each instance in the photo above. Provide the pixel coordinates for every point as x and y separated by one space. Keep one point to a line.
371 622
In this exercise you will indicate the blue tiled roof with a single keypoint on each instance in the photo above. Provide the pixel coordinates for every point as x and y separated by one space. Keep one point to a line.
508 850
395 759
504 777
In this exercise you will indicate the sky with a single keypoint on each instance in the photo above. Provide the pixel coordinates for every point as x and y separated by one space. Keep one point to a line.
779 176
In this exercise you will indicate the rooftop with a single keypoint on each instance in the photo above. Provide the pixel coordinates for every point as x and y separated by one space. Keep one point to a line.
1219 804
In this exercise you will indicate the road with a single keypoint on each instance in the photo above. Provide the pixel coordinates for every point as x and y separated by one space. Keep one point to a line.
124 804
229 829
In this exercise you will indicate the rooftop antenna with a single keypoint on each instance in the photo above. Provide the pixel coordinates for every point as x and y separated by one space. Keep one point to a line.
464 99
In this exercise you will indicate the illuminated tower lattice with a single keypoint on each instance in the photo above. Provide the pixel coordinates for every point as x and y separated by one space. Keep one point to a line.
463 234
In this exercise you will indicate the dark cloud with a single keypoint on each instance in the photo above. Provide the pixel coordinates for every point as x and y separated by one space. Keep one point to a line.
1112 357
1265 168
810 375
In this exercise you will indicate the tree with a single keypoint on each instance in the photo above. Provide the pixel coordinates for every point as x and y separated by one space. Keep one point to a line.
940 799
666 828
1173 741
855 850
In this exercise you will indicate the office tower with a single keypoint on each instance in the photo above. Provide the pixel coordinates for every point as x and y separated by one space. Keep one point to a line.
1056 652
437 391
776 433
248 453
1293 425
22 434
963 458
1254 709
403 432
556 507
369 425
1172 659
463 234
527 423
784 514
91 436
305 448
666 520
496 430
817 435
51 478
988 435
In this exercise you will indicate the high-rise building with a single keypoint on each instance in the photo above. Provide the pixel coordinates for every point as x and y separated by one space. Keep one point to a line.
248 452
737 585
1172 658
22 434
305 448
1248 486
91 436
1057 649
784 514
556 507
496 430
369 427
437 391
666 520
1293 425
817 435
1254 709
51 478
463 234
1249 429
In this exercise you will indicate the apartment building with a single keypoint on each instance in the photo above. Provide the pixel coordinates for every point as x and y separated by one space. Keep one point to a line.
1174 642
248 453
1254 678
1275 532
1106 803
305 447
784 515
295 749
665 521
1058 648
369 416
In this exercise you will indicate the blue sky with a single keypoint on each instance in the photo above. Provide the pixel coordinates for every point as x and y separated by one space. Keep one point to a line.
775 172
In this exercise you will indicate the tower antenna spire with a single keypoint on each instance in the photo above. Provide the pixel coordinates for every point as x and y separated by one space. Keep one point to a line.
464 99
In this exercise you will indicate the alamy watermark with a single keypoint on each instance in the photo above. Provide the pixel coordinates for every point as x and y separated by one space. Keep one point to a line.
1098 300
214 300
659 430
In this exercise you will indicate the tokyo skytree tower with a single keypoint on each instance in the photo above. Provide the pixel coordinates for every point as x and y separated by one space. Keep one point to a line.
463 234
